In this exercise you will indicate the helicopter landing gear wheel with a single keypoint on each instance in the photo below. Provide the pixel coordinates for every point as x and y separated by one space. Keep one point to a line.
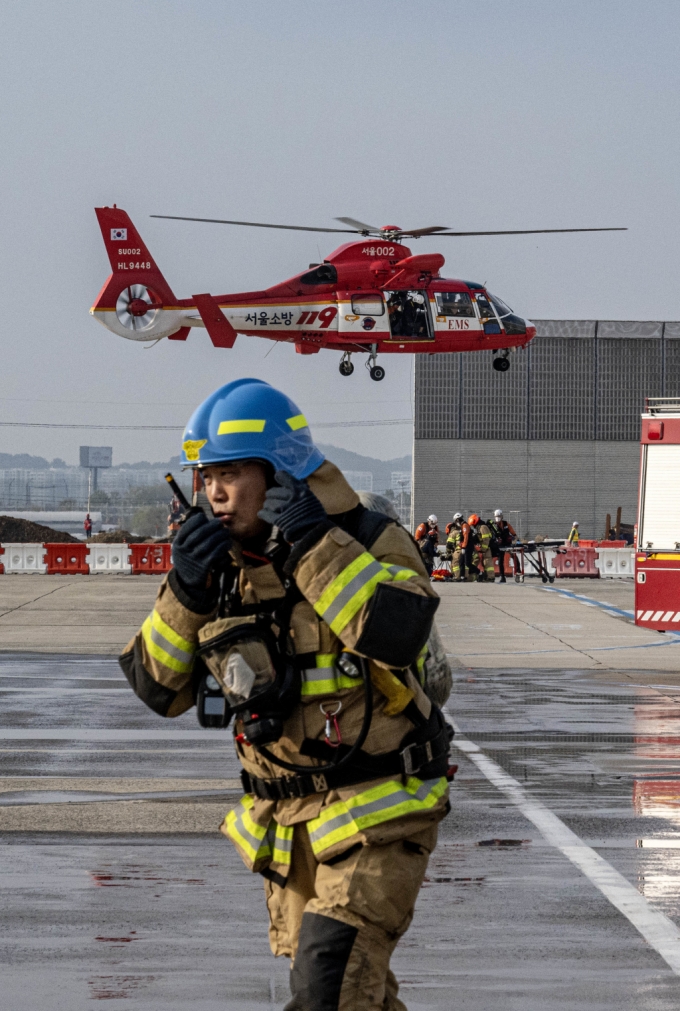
346 367
501 364
375 371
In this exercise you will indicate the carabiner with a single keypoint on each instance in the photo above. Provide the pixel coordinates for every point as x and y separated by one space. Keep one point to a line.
334 717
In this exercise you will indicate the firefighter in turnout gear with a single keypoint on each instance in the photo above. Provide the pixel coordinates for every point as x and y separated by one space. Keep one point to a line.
427 539
456 547
481 537
303 617
504 536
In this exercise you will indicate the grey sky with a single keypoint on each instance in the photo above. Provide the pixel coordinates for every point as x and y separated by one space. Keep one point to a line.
466 114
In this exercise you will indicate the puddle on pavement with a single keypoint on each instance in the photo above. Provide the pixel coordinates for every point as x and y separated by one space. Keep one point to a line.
137 875
119 940
9 799
117 987
503 842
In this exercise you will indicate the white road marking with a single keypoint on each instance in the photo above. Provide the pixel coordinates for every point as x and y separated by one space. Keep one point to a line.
75 734
58 690
656 928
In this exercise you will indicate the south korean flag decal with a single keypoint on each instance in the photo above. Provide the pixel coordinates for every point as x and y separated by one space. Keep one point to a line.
119 234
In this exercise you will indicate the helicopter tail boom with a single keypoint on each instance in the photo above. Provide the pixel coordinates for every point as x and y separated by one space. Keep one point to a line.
136 301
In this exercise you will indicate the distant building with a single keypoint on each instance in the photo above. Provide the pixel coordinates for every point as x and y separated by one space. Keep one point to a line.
47 488
360 480
553 440
400 480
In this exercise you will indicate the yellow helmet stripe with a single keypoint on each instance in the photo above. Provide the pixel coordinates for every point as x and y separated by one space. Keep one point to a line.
241 425
299 421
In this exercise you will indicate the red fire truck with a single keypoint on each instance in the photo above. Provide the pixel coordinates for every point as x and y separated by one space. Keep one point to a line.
657 558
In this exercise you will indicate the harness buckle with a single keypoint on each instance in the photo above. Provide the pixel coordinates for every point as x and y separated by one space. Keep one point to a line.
411 761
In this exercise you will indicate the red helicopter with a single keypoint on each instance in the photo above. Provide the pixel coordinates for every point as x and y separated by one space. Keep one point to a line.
370 296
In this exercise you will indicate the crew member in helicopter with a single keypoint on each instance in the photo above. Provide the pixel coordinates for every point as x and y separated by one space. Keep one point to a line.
307 618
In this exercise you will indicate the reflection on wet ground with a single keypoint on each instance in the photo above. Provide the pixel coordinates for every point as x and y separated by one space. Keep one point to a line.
504 920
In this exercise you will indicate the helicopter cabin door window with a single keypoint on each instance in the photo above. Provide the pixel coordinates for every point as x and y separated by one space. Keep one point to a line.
367 305
362 313
409 315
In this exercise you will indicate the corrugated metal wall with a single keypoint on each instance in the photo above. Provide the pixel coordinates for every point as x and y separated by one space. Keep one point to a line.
578 380
555 438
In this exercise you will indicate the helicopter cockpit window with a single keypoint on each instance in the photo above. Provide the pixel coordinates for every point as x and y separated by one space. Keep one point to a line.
409 316
368 305
499 305
487 316
454 303
485 309
324 273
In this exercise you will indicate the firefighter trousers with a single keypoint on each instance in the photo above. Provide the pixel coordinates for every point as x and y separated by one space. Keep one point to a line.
487 563
458 564
340 921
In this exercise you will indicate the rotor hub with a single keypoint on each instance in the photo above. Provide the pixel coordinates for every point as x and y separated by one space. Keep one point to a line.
138 307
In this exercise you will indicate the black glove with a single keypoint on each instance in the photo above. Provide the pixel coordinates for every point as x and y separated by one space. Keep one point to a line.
200 546
292 507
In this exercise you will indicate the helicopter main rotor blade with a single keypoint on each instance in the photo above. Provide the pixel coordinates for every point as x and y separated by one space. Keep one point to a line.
254 224
417 232
360 226
534 231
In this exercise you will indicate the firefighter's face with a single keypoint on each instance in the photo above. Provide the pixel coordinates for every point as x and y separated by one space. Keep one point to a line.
236 494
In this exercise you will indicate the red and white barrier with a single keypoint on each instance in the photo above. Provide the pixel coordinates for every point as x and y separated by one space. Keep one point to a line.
616 563
109 558
85 558
25 558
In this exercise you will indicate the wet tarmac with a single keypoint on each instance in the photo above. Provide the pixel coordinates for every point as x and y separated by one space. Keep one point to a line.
147 918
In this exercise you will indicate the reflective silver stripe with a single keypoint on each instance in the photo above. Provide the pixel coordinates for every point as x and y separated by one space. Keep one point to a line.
165 644
380 804
283 843
345 595
395 569
252 839
319 674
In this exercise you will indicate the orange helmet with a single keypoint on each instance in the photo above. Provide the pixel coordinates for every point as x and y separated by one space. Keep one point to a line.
473 520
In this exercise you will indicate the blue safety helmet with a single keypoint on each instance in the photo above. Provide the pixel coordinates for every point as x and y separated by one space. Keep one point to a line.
250 420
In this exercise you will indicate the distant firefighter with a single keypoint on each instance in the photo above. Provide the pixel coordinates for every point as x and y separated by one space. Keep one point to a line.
504 537
427 539
457 538
482 535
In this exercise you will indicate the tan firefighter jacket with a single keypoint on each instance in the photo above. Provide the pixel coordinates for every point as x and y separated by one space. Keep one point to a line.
377 603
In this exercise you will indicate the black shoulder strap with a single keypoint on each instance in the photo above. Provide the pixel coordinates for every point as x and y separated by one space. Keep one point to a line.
364 524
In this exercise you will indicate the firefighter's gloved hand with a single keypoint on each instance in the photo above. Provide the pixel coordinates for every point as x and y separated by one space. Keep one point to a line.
292 507
200 546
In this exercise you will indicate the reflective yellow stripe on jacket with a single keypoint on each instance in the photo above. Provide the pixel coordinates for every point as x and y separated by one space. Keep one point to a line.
325 678
353 587
371 807
258 842
166 645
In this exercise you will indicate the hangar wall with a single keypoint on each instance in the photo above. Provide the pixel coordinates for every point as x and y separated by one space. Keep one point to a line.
553 440
542 487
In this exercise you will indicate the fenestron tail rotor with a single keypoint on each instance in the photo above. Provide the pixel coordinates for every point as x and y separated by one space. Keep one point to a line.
137 307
